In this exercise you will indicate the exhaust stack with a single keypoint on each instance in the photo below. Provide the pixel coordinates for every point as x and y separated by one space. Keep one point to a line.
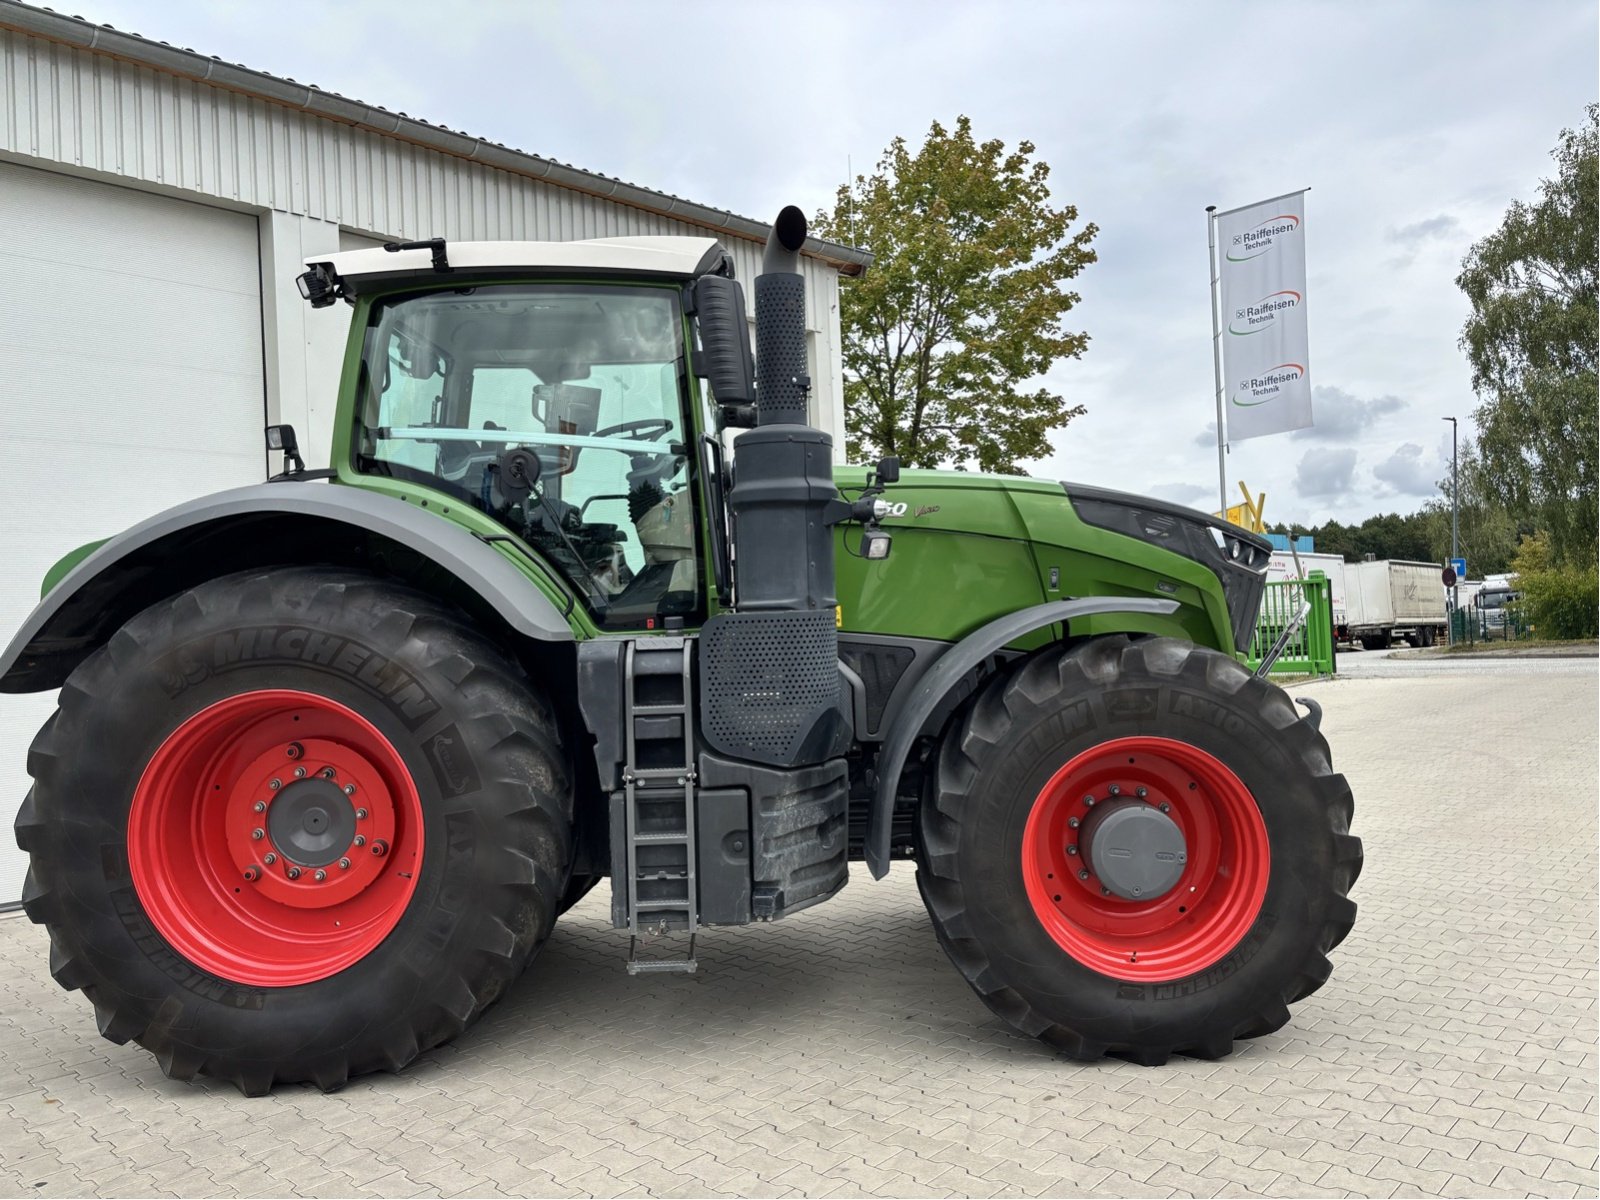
781 324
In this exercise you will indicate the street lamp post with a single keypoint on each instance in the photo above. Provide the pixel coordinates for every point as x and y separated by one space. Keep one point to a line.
1455 520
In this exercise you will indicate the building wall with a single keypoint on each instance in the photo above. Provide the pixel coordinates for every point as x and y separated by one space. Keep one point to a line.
310 178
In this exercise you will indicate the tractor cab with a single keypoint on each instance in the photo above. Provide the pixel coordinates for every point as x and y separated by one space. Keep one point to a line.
565 411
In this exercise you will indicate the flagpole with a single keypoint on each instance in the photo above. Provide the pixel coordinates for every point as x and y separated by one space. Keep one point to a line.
1216 358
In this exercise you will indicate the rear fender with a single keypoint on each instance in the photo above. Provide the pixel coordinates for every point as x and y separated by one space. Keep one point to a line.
271 525
911 712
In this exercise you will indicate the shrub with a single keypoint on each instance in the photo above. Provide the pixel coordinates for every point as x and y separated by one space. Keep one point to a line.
1559 602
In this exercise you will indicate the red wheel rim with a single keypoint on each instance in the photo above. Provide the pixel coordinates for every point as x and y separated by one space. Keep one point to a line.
275 838
1203 916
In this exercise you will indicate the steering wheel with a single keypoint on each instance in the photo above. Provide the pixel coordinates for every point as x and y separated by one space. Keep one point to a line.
648 429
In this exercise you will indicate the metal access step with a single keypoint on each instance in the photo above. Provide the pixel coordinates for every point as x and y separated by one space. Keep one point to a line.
662 877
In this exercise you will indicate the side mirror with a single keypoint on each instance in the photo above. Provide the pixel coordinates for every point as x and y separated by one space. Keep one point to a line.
724 358
281 437
888 471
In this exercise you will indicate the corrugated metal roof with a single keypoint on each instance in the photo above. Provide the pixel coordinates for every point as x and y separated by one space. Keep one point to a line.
160 56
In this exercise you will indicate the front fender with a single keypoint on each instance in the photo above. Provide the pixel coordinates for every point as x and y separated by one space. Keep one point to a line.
259 526
912 712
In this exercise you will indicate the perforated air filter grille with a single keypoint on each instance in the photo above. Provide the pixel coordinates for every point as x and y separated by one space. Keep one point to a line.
781 348
765 681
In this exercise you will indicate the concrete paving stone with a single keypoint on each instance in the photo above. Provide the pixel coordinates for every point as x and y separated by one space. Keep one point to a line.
1514 1180
1586 1179
1538 1144
1585 1137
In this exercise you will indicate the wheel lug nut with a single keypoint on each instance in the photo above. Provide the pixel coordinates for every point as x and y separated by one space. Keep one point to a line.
299 772
257 834
1073 822
380 847
1141 792
1115 790
252 873
361 839
1165 807
259 806
1072 850
361 814
1089 801
1083 874
349 789
1105 891
327 772
294 750
275 784
320 876
269 859
344 864
293 872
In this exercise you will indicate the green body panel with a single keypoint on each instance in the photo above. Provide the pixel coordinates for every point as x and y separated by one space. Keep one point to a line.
65 563
969 548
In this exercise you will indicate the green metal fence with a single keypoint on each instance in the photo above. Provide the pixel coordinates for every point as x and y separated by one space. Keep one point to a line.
1309 650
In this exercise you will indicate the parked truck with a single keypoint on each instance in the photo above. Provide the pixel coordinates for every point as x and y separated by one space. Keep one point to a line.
1392 599
333 752
1283 566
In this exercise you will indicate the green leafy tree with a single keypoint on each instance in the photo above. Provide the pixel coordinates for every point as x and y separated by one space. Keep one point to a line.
1558 601
1532 343
1489 531
964 305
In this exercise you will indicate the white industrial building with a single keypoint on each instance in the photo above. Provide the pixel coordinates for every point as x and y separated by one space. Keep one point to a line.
155 207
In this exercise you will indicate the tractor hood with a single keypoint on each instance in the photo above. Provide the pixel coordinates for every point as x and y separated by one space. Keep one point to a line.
1000 542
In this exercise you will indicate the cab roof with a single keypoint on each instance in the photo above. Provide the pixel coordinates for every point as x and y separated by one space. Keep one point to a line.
668 257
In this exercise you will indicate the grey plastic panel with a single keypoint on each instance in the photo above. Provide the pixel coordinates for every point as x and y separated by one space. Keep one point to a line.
474 562
911 711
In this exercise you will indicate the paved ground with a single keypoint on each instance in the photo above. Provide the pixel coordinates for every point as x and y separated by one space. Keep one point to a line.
1410 664
837 1053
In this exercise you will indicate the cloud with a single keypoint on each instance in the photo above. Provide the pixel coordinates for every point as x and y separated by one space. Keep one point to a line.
1325 474
1207 436
1407 473
1421 231
1183 493
1341 417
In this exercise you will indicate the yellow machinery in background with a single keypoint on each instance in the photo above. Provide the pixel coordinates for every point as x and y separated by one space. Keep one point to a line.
1248 514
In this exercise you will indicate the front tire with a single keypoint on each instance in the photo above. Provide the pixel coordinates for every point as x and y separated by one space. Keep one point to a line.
1217 949
295 826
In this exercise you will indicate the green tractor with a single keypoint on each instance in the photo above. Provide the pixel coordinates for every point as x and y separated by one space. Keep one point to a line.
333 752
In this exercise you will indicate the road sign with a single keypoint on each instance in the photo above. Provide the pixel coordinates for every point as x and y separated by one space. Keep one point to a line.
1460 567
1449 576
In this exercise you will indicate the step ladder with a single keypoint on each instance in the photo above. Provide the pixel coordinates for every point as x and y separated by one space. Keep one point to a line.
658 779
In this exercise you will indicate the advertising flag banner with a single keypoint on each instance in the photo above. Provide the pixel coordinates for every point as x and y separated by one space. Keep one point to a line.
1261 268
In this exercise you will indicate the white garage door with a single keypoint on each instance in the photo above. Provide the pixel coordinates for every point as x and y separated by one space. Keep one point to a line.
131 378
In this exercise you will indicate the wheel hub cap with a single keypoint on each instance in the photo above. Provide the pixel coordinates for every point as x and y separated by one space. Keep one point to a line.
1134 849
312 822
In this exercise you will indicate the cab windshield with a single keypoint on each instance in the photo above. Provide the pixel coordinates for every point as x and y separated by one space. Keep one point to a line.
559 411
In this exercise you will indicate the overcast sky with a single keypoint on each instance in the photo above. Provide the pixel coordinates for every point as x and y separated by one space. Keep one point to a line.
1413 124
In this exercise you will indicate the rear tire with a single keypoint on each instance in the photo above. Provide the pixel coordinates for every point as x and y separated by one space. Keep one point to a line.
149 854
1240 770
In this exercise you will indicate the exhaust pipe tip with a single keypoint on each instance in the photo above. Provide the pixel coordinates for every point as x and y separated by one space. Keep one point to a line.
784 241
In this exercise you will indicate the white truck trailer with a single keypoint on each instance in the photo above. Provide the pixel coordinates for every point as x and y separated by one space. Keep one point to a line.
1281 566
1392 599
